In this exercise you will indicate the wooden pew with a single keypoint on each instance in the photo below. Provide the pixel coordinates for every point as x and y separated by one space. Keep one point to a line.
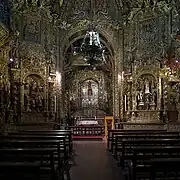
62 139
162 168
20 170
133 135
42 140
59 156
129 145
142 158
66 133
43 155
119 139
113 133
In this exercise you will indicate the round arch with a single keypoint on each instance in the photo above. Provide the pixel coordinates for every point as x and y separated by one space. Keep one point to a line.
78 33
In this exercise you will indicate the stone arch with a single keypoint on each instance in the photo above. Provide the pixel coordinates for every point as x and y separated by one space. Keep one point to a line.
89 78
107 37
33 74
77 31
144 74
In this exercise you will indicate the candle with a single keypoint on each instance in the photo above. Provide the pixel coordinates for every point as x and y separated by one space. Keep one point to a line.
55 103
125 103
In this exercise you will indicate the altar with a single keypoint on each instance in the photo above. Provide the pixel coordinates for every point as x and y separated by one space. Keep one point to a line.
87 122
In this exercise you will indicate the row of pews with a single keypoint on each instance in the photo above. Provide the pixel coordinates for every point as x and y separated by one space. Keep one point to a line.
43 154
146 154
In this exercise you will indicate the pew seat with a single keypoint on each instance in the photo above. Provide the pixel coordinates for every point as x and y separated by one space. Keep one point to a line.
117 148
128 147
165 168
141 162
20 170
44 156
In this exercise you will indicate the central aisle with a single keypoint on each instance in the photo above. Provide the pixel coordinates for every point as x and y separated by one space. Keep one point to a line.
92 162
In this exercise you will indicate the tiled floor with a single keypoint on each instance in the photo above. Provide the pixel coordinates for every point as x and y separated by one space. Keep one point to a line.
93 162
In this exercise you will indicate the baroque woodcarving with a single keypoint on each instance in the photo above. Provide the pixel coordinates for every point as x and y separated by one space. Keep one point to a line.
41 79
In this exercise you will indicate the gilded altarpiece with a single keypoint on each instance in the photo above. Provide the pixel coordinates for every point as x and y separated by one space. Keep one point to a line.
145 47
5 105
35 76
38 98
4 86
89 93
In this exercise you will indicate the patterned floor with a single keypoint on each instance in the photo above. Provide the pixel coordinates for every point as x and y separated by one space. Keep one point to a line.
92 162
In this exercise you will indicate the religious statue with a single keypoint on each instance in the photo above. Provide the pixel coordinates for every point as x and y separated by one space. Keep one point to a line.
28 105
147 89
141 96
90 92
140 99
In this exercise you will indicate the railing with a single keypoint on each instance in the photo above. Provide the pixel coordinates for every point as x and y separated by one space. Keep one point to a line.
135 125
87 130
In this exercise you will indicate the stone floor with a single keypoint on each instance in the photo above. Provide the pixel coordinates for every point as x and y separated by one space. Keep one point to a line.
93 162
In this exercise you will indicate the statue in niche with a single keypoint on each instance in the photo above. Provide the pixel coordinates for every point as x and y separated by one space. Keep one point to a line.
28 103
33 97
154 96
90 92
39 103
141 95
140 99
146 86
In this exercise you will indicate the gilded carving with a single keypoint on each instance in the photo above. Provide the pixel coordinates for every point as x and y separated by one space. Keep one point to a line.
140 79
32 30
34 94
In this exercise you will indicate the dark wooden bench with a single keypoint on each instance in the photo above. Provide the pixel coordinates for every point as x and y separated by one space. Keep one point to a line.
129 145
66 133
119 139
37 137
113 133
20 170
40 141
45 156
164 168
60 155
142 159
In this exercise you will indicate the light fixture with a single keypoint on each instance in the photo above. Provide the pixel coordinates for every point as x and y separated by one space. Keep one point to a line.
58 77
92 49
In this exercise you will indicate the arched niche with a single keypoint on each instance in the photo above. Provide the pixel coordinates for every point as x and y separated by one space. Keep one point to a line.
77 71
146 92
34 93
89 94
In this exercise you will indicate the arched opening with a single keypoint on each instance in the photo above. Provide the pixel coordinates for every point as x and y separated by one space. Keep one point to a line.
87 89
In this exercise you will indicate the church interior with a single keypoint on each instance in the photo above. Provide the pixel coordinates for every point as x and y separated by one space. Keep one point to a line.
83 76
